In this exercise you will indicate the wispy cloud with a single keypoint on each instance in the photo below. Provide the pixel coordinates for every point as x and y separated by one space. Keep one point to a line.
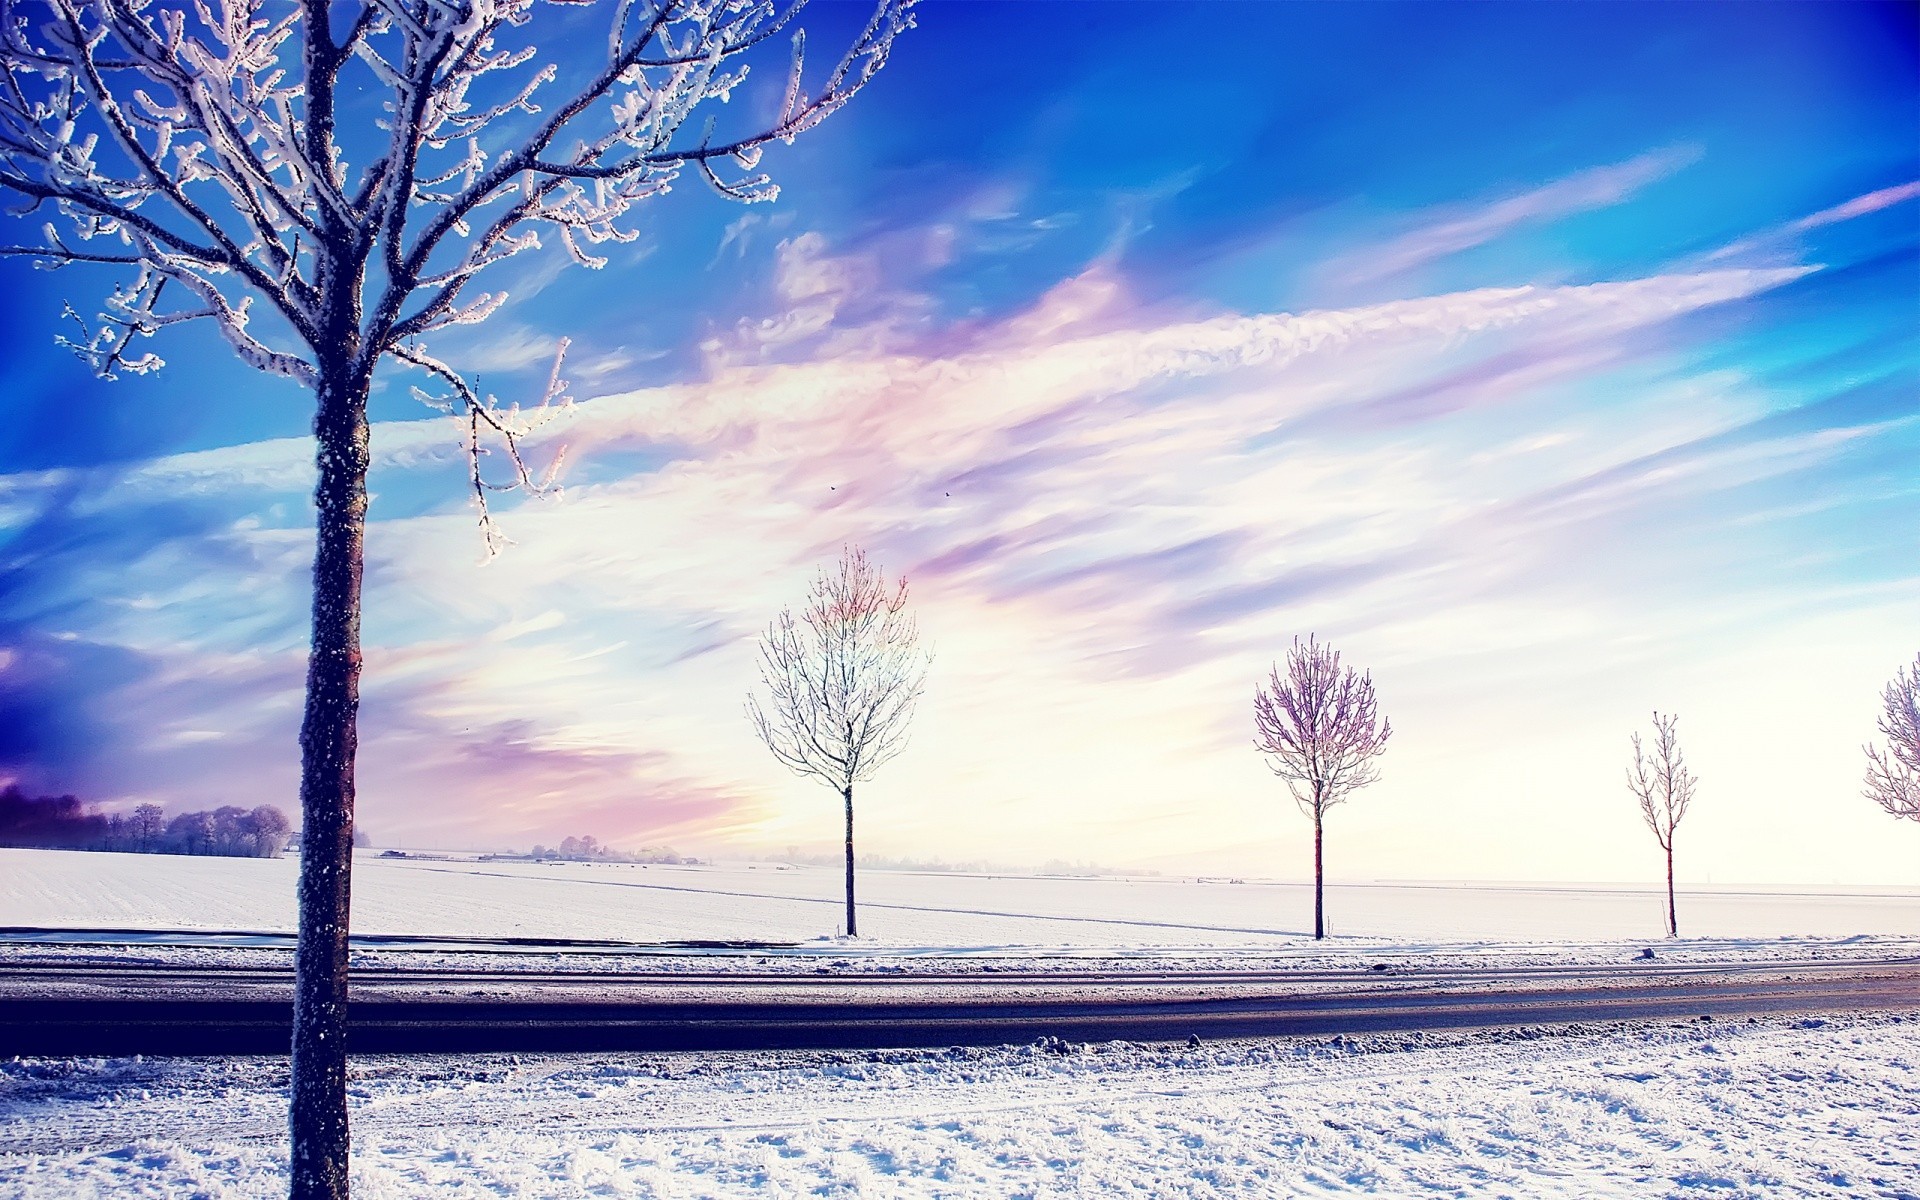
1035 369
504 346
1107 517
1859 206
1448 231
825 304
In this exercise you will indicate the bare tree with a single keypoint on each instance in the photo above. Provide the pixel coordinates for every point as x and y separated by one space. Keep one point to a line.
193 831
146 826
201 148
1893 775
841 682
1662 782
1321 731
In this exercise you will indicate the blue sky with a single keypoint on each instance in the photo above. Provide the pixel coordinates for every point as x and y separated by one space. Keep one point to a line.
1558 362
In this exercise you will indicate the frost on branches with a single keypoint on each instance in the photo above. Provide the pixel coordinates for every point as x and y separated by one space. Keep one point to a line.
841 682
1321 730
326 182
1893 774
1663 783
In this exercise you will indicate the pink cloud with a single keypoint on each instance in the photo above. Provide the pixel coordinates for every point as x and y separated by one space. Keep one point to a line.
425 785
1853 209
1859 206
1104 512
1453 230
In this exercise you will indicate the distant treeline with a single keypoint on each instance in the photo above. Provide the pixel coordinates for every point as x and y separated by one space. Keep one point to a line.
589 849
64 823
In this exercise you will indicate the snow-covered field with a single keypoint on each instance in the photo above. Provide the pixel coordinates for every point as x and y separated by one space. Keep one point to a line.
465 898
1770 1108
1822 1108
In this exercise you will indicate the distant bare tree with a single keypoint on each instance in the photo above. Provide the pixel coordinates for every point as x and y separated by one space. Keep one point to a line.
1893 776
1663 784
1321 730
146 826
326 183
841 681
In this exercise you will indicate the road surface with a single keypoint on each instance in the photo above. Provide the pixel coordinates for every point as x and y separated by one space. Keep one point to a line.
86 1007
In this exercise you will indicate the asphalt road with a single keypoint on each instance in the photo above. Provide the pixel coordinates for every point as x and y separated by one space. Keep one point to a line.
89 1009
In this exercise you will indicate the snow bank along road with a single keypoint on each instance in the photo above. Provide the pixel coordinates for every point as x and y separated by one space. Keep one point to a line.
76 1002
1786 1108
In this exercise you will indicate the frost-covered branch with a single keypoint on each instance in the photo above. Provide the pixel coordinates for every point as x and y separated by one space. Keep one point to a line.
842 677
1320 727
647 100
1893 774
218 152
1663 783
1661 780
132 129
482 416
202 142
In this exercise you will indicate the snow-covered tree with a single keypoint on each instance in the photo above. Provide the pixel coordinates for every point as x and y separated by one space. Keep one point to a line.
841 682
1321 730
192 832
327 182
270 828
146 826
1893 775
1661 780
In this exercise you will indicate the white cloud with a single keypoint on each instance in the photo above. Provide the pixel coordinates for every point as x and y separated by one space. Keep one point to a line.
1110 523
1859 206
500 346
1458 228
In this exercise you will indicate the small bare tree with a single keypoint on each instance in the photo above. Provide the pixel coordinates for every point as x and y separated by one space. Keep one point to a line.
1662 782
841 682
326 181
148 823
1321 731
1893 775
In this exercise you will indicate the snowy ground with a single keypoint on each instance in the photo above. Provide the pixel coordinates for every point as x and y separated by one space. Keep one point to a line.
1821 1107
1763 1109
901 909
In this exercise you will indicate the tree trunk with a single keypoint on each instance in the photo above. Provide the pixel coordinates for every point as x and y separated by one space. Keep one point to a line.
1673 924
318 1113
1319 875
853 930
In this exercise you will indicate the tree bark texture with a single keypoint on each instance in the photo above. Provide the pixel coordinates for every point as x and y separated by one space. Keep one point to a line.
852 928
1673 923
1319 875
318 1112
